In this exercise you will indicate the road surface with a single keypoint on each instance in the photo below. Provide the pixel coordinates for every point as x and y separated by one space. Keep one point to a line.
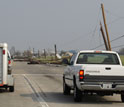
41 86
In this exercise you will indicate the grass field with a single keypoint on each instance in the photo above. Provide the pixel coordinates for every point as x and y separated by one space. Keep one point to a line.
122 59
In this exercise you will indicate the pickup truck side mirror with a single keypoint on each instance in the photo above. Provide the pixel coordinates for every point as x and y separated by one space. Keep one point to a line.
65 61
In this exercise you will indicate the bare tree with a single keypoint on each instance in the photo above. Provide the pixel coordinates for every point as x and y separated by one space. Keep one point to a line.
12 50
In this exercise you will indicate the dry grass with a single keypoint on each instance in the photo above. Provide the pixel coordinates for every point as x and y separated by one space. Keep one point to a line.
122 59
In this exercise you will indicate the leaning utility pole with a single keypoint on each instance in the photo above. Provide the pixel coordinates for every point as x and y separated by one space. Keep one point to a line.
103 35
106 29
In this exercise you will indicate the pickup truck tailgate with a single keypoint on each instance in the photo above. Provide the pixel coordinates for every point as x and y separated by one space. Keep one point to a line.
1 64
104 73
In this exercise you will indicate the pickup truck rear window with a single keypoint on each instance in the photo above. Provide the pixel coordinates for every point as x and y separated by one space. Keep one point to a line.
97 58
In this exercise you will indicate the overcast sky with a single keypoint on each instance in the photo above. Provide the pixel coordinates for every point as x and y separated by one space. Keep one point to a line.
71 24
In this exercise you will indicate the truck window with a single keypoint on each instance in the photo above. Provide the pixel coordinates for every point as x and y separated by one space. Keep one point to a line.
73 59
97 58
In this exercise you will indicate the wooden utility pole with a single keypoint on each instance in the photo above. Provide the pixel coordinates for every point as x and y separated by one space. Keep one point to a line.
55 52
38 53
103 35
33 51
106 29
45 53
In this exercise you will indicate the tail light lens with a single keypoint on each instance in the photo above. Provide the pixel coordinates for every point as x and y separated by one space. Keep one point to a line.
9 62
81 75
4 52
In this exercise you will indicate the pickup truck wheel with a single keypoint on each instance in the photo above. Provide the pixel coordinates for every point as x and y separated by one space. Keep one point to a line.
77 94
122 97
11 89
66 89
9 72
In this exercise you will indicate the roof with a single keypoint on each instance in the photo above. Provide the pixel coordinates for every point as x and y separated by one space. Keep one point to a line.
96 51
3 45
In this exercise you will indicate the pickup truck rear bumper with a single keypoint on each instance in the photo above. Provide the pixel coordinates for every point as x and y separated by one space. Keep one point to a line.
101 86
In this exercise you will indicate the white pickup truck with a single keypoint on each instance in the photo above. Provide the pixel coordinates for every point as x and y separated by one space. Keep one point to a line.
6 78
94 72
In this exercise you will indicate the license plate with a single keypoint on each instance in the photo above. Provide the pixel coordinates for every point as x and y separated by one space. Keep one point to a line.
107 86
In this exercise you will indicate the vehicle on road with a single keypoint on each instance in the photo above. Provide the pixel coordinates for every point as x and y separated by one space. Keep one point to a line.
94 72
6 78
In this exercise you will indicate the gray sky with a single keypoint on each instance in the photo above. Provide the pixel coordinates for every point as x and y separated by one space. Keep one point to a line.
68 23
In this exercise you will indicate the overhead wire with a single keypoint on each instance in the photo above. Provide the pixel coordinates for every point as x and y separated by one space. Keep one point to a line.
97 47
115 15
115 20
95 29
117 46
117 38
110 41
75 39
79 37
100 39
118 18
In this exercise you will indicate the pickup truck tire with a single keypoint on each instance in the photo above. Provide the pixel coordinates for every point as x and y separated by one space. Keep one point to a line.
122 97
9 72
11 89
66 89
77 94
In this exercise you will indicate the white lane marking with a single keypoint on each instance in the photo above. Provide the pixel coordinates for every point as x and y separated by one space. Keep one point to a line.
39 74
34 89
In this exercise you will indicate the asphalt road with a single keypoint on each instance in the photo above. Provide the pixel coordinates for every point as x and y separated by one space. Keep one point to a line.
41 86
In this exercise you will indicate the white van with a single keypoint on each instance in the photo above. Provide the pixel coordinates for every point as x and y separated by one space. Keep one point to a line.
6 78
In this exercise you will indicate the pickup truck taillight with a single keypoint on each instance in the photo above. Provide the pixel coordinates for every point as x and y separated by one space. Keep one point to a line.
81 75
9 62
3 52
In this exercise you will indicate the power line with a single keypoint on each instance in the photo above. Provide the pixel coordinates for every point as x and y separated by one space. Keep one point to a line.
115 20
95 29
118 18
113 14
97 47
75 39
117 46
117 38
110 41
79 37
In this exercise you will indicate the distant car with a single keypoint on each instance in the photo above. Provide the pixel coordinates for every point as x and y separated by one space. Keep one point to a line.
89 72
